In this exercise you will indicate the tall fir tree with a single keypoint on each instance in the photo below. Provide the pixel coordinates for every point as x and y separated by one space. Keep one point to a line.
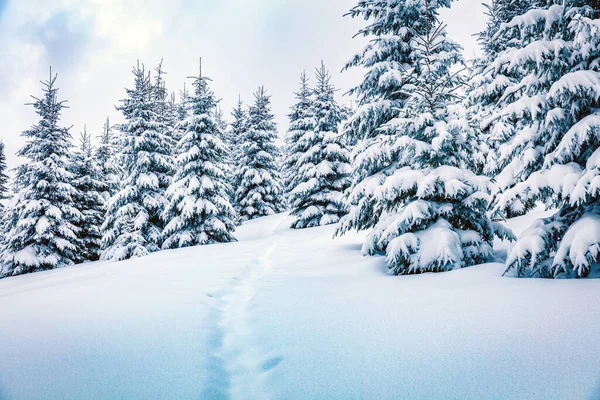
431 206
41 233
257 179
321 172
133 224
392 27
90 184
302 121
199 211
547 152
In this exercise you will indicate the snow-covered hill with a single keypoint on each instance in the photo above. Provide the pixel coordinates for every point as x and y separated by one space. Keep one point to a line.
288 314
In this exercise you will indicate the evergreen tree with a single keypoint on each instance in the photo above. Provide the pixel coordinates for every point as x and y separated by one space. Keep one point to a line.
501 12
391 27
182 112
550 123
430 203
3 175
302 121
199 211
238 127
257 177
89 185
221 121
166 118
133 224
321 172
106 151
486 84
183 107
40 221
387 59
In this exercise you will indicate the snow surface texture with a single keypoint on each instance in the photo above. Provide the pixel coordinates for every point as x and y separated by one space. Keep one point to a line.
288 314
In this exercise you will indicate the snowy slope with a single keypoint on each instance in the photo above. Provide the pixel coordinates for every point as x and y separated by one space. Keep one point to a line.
293 315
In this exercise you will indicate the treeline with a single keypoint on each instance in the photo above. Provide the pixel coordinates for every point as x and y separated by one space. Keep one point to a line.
174 174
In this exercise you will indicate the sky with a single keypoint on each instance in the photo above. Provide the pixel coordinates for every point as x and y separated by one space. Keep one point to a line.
93 44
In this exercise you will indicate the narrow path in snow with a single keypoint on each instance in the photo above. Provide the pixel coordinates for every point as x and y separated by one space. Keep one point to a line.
245 359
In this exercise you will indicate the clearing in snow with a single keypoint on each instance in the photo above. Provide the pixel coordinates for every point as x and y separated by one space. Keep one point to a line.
294 314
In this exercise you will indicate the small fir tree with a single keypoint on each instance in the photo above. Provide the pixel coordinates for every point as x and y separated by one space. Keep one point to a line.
302 121
257 179
90 185
199 211
321 172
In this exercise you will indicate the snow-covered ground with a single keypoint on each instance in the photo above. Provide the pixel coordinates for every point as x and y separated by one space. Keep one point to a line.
288 314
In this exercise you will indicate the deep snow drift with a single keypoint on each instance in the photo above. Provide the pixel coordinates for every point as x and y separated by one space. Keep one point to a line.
294 315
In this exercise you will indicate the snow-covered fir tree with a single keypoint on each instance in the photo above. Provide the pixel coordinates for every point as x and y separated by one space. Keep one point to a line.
221 121
166 118
234 141
105 153
487 85
183 107
39 223
301 121
501 12
199 211
181 113
237 129
257 178
89 183
3 174
321 169
133 225
425 204
391 26
548 149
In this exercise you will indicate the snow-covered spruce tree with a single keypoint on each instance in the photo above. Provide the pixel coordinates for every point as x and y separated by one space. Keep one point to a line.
321 173
105 153
550 153
3 174
237 129
487 85
431 205
89 183
183 107
40 233
500 12
166 119
199 211
301 121
391 27
179 112
257 178
133 224
234 141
